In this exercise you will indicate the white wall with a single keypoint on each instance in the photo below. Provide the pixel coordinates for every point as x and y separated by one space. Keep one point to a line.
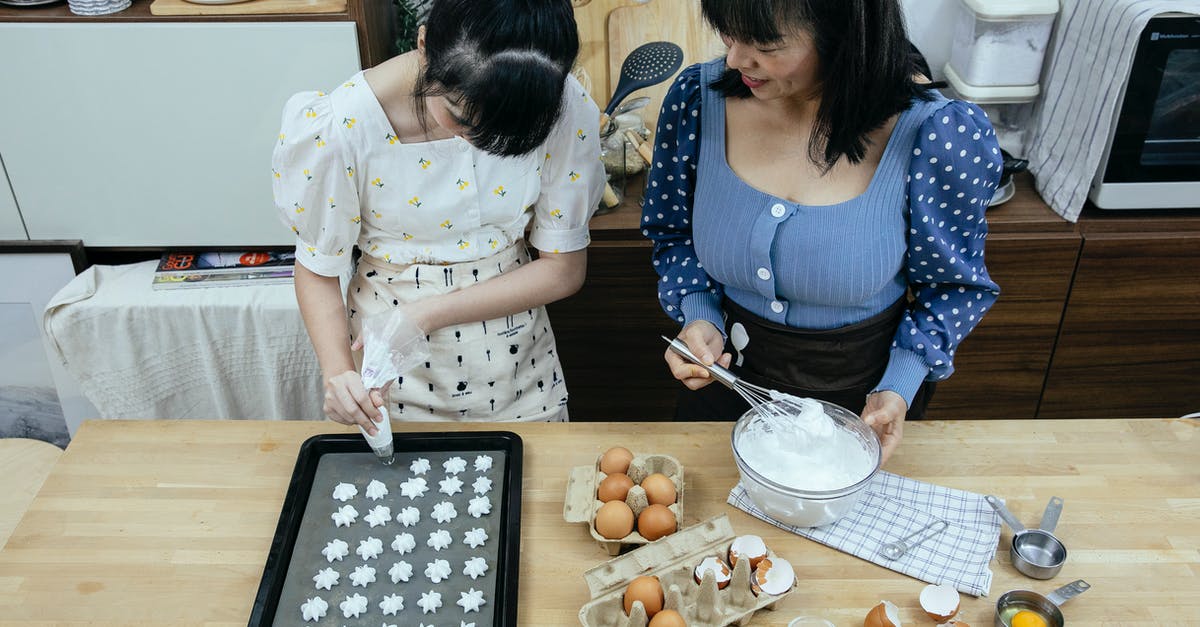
10 219
150 134
931 28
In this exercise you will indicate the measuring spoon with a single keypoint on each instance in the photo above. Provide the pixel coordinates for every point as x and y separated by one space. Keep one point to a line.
896 549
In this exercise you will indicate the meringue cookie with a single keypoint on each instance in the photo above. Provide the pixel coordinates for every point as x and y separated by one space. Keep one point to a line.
335 550
483 463
454 465
438 570
345 516
419 466
326 578
362 576
391 604
414 488
482 485
471 600
450 486
409 516
479 506
376 490
438 540
378 516
369 548
344 492
476 567
404 543
444 512
353 605
475 538
430 601
466 624
400 571
314 609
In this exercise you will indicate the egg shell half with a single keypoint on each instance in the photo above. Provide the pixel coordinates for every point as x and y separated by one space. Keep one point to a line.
940 602
886 614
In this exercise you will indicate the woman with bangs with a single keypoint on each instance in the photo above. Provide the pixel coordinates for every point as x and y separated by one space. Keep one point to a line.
817 212
433 164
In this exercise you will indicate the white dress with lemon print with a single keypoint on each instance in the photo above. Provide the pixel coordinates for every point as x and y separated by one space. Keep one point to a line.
433 217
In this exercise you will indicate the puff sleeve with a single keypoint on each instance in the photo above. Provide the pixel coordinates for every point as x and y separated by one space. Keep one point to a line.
313 184
685 290
953 173
572 177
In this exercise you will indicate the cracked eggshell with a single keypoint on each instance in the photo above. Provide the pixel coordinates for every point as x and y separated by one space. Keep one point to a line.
749 546
940 602
773 575
886 614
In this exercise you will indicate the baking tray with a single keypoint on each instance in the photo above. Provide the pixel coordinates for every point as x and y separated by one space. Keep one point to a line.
305 519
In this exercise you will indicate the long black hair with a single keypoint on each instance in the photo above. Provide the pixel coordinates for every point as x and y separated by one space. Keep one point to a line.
504 62
865 66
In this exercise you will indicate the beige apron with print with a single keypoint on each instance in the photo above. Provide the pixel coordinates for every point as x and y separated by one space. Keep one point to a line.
505 369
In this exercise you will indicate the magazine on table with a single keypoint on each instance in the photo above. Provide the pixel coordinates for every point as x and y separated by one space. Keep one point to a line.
177 270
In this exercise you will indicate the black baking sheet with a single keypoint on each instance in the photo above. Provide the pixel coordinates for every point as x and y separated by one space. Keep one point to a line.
305 526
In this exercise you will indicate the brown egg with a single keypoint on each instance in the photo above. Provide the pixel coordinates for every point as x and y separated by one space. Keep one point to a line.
656 521
614 520
667 618
660 490
615 459
615 487
646 589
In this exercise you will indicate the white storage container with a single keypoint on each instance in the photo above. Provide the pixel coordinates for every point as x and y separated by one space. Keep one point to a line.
1001 42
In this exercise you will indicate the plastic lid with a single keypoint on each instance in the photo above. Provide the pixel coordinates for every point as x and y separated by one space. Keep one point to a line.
990 94
1009 9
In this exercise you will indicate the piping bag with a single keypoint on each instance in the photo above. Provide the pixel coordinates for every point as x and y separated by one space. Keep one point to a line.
392 345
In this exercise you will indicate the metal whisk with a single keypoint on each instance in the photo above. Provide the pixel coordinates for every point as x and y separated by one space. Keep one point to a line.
772 405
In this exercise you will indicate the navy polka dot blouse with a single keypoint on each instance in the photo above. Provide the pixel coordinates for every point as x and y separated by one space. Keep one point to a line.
919 226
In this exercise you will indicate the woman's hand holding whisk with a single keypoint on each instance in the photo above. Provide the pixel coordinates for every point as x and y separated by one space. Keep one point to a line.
705 341
884 413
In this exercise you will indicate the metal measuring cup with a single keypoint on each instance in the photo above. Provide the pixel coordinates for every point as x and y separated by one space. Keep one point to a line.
1047 606
1035 553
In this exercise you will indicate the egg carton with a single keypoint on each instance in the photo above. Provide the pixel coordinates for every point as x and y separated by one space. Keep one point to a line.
581 502
673 560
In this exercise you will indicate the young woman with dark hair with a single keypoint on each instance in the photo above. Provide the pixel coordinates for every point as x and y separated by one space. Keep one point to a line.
433 164
817 213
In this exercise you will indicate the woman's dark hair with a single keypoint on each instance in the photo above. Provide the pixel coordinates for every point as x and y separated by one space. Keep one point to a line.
865 68
504 62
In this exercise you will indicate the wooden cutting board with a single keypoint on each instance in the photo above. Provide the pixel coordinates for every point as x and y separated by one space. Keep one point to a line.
678 21
592 19
253 7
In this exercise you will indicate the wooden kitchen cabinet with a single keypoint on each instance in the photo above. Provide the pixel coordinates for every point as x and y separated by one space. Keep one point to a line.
1130 338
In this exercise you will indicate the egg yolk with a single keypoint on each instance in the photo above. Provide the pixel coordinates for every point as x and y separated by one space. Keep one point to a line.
1025 618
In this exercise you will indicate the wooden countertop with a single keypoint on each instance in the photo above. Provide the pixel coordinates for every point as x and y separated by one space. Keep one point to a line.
170 521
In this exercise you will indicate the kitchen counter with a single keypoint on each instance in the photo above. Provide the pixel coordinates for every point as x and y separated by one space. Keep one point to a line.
170 521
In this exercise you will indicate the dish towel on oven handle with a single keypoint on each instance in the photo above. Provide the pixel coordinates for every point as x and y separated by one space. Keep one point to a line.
1067 128
896 506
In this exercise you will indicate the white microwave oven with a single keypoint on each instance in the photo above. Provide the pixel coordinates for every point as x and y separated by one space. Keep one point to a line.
1152 158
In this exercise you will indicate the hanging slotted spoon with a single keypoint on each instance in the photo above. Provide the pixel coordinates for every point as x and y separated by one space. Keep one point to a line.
648 65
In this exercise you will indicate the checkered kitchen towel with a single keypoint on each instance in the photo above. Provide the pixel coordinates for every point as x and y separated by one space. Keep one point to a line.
896 506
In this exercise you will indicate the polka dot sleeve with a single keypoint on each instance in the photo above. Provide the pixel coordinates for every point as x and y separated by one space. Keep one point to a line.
954 171
685 290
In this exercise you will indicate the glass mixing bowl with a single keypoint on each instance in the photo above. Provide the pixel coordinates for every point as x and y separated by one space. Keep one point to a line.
797 506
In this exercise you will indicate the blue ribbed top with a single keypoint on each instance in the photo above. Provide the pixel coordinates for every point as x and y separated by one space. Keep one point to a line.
920 225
